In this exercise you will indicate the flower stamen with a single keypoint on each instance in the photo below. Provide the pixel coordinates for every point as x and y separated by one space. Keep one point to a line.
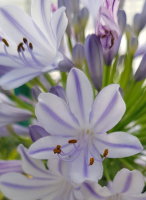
91 161
57 149
5 42
72 141
105 153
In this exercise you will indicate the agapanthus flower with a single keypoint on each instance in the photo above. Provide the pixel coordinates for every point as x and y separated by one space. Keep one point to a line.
10 166
127 185
78 128
107 24
30 45
9 113
52 184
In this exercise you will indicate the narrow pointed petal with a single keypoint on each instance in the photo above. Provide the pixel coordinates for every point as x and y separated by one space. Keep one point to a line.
108 109
93 191
80 95
41 15
94 58
18 77
10 166
10 115
128 182
54 115
80 170
17 186
59 91
36 132
32 166
43 148
119 144
59 23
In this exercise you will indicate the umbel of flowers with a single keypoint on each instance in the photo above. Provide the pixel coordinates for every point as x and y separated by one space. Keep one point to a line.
79 134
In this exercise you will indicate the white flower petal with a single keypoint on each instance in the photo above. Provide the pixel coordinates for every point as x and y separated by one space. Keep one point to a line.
16 28
10 115
18 77
80 170
32 166
17 186
43 148
54 115
119 144
93 191
10 166
41 15
59 23
128 182
80 96
108 109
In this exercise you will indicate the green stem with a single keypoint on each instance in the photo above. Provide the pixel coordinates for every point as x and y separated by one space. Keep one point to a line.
70 44
64 79
21 104
127 164
106 172
37 81
113 70
106 75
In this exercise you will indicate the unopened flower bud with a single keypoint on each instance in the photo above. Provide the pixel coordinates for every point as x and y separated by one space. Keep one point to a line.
78 55
75 6
36 91
76 23
128 31
58 91
94 58
133 44
84 14
141 71
122 20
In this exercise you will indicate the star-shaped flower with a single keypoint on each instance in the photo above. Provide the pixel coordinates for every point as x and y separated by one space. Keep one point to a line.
79 128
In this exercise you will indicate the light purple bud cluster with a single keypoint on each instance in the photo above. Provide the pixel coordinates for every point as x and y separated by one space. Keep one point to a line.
107 25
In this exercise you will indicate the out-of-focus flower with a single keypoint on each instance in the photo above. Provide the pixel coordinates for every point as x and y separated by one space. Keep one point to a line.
32 45
45 184
140 51
10 166
18 129
84 15
58 91
79 128
107 24
139 21
78 55
53 7
122 19
93 7
75 6
94 58
35 91
141 71
128 31
127 185
9 113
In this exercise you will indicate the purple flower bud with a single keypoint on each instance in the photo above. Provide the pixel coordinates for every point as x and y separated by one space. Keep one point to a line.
84 15
128 31
122 19
109 54
36 91
121 5
137 23
36 132
133 44
58 91
65 65
78 55
141 71
94 57
53 7
107 25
